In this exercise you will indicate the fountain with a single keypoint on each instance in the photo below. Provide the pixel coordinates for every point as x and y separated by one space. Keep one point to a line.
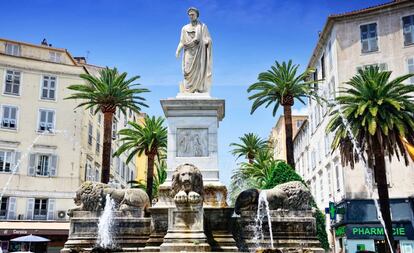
105 224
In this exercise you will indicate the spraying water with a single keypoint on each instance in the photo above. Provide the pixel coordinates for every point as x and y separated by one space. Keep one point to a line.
105 224
263 211
367 171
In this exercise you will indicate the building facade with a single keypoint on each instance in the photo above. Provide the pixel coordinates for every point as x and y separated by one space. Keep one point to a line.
382 36
277 137
47 147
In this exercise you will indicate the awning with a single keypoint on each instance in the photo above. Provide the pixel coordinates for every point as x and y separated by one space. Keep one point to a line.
33 227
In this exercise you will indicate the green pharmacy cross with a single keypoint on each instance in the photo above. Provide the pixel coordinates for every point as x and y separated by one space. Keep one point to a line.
333 211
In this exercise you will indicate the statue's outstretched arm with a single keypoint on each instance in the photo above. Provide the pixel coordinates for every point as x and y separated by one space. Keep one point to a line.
178 51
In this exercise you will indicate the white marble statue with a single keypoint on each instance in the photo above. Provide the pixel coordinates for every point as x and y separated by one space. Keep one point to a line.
197 58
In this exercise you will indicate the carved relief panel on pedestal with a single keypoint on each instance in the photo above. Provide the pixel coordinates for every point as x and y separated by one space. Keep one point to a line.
192 142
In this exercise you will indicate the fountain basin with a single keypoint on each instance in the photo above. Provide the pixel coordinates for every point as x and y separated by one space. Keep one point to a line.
130 231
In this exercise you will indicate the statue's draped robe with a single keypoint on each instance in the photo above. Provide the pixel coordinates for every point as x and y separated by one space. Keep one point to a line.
197 58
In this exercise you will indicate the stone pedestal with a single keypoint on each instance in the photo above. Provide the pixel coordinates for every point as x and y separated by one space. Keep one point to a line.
193 122
293 231
218 224
131 231
159 217
185 230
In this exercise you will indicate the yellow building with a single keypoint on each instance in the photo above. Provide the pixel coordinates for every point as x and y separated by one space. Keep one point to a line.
277 138
47 148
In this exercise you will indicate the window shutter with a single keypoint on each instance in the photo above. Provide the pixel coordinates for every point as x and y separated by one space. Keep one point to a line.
11 209
53 166
51 209
32 165
30 208
16 164
383 67
118 164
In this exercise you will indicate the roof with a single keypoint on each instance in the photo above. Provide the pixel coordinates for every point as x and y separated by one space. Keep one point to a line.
63 50
335 17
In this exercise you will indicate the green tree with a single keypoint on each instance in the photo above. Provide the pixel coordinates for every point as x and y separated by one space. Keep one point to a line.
379 113
107 92
149 138
250 144
281 85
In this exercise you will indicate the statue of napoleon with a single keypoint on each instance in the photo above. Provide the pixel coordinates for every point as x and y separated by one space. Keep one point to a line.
197 58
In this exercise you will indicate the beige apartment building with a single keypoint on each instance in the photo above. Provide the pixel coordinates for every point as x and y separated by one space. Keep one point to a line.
47 147
277 137
382 36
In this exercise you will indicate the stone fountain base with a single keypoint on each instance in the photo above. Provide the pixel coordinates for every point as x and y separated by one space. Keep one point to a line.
131 231
293 231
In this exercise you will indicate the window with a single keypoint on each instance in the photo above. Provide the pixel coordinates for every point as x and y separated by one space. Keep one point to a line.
40 209
99 118
321 190
98 141
408 30
327 145
42 165
48 88
12 49
6 163
46 120
125 120
54 56
88 171
410 66
12 85
323 66
338 177
299 123
382 66
123 170
313 161
9 117
3 208
97 179
330 55
114 128
90 130
369 38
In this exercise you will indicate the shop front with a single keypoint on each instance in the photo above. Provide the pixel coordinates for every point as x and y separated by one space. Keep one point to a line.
357 227
370 237
56 232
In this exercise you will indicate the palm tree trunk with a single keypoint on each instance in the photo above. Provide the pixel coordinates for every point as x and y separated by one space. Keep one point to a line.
384 201
150 174
287 110
106 152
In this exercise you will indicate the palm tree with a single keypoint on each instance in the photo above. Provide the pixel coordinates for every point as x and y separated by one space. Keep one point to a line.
249 145
378 112
149 138
107 92
280 86
159 179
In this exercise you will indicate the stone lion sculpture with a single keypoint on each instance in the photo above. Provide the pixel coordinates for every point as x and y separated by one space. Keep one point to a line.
129 199
91 196
288 196
187 185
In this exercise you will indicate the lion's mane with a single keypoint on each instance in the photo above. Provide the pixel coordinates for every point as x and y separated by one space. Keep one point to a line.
197 180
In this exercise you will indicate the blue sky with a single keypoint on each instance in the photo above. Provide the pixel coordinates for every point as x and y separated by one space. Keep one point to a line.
140 37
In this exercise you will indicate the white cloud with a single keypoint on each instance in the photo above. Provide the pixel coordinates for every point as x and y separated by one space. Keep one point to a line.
300 111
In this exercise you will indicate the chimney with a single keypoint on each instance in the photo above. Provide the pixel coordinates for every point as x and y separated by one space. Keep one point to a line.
80 59
44 42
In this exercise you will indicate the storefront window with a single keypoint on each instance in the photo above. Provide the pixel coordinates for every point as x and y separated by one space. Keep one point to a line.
361 211
400 211
407 246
